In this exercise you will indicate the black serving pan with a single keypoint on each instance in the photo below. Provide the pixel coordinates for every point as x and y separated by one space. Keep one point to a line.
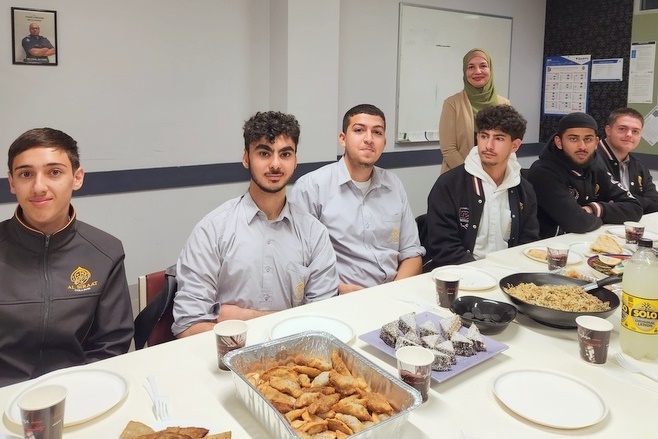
554 317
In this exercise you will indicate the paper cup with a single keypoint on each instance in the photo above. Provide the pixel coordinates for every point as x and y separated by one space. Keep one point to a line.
447 287
42 412
593 338
415 368
229 335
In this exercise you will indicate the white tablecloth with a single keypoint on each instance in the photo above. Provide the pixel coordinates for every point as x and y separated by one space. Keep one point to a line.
465 404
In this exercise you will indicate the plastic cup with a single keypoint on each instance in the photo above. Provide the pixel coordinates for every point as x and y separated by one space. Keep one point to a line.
415 368
42 412
593 338
557 256
229 335
447 287
634 231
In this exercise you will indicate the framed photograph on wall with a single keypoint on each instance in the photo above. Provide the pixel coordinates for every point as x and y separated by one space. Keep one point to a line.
34 36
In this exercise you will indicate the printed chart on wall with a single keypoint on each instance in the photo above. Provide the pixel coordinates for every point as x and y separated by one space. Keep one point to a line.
566 84
640 78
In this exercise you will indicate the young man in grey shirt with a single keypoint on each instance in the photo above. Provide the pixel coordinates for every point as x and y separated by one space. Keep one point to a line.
255 254
364 207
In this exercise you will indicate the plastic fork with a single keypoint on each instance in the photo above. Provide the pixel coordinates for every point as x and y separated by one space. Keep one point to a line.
160 402
626 364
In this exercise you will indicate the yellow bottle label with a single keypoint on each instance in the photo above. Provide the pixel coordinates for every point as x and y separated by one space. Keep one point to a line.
639 315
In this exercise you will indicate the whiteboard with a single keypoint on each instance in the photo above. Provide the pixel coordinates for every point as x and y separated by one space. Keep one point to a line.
432 43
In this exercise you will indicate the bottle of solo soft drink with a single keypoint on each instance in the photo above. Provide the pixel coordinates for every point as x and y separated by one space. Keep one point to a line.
638 335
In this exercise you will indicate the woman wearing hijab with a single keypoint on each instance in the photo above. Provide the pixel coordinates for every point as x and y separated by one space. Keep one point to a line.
456 126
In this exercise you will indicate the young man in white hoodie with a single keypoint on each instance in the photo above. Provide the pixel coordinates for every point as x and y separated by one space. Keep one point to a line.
484 205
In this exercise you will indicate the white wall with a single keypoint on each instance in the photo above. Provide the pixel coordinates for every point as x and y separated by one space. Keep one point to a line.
187 108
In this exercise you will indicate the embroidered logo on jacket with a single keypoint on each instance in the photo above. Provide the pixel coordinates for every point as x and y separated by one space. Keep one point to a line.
81 279
574 192
464 217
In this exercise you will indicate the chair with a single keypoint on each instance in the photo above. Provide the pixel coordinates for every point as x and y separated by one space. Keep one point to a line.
421 222
156 296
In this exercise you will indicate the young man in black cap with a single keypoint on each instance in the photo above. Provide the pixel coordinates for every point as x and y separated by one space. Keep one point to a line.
572 194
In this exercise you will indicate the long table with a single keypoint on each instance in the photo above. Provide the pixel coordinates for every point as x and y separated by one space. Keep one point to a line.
200 393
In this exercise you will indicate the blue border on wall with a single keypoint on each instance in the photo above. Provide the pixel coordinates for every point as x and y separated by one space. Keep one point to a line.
136 180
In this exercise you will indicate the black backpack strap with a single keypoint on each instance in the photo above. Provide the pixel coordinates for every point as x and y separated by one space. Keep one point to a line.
155 309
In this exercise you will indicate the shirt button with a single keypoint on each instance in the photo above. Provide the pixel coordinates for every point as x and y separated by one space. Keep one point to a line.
267 269
269 241
367 226
266 297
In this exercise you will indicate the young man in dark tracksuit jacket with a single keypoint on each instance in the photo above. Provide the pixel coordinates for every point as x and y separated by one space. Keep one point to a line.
623 134
573 195
64 298
463 222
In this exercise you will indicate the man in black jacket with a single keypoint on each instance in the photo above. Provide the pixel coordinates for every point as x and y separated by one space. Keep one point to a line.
64 298
483 205
623 133
572 194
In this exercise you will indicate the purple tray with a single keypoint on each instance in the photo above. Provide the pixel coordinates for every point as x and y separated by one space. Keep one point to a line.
493 347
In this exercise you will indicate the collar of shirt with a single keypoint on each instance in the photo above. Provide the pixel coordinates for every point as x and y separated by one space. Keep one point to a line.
344 176
251 210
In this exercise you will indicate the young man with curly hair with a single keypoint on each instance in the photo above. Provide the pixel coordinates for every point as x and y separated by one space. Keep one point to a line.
485 204
255 254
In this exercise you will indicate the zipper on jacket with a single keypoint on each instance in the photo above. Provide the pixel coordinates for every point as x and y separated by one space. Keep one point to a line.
47 295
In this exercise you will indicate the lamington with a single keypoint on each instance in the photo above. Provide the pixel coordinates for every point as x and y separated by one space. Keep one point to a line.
407 323
447 348
430 341
403 341
441 361
389 333
450 325
473 334
411 335
428 328
463 346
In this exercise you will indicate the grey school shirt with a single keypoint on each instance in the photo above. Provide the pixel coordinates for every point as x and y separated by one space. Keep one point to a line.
372 232
235 255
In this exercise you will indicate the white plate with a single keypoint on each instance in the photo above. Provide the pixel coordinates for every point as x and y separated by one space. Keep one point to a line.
549 398
583 248
573 258
620 232
91 392
470 279
315 322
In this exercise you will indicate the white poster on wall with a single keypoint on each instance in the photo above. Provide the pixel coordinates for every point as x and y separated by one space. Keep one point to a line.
566 84
641 71
607 70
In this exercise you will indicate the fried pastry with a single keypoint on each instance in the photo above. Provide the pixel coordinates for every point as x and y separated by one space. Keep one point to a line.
606 244
339 364
287 386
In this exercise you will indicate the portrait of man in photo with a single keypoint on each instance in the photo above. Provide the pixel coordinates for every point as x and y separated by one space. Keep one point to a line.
34 36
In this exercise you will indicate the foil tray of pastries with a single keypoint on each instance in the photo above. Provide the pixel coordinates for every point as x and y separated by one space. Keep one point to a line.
312 385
